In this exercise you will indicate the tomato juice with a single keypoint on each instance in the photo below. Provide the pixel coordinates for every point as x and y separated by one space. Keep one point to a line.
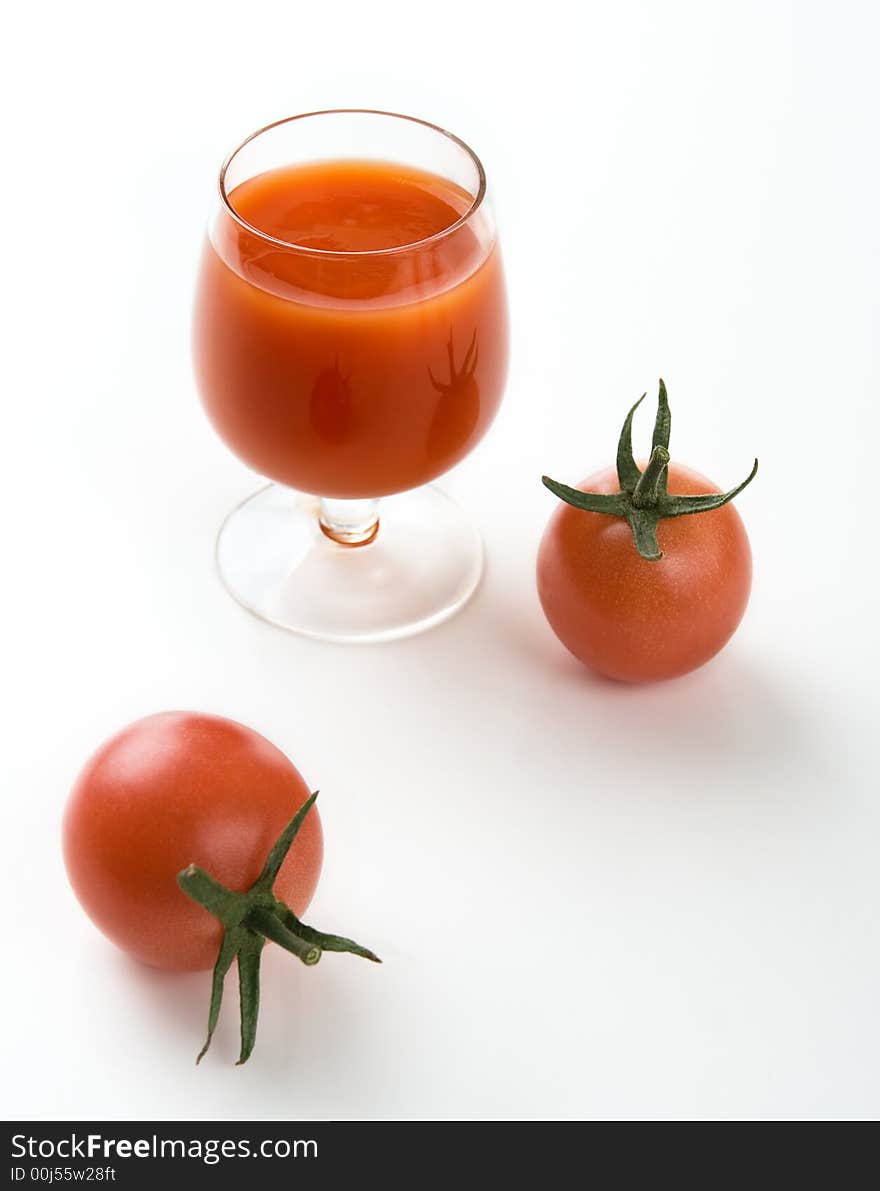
351 326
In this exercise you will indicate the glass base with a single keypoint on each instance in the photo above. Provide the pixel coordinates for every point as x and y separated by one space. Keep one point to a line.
419 568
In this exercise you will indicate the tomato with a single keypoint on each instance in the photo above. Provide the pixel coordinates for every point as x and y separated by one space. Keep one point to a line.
170 790
655 586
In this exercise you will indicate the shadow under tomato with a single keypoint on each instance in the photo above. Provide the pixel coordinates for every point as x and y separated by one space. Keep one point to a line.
731 712
735 710
730 708
174 1003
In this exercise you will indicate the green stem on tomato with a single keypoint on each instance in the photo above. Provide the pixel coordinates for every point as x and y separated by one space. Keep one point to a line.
643 500
649 488
248 920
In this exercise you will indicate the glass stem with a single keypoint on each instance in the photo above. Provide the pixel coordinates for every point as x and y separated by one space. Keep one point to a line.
349 522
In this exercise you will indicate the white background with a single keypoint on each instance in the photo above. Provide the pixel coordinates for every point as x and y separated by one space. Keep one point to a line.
591 900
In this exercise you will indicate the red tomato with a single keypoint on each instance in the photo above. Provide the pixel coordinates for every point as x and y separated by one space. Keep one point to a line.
636 620
174 789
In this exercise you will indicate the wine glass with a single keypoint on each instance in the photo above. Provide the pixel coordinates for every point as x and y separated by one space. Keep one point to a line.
351 343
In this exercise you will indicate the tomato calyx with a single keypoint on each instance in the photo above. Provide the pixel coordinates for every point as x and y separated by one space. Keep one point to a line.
248 920
643 500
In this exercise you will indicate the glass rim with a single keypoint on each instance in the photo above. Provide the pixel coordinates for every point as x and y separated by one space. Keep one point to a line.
292 246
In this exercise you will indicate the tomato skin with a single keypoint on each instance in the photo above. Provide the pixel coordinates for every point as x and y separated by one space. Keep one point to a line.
634 620
170 790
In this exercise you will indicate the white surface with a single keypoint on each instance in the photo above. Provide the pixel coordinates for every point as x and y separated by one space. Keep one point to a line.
591 900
